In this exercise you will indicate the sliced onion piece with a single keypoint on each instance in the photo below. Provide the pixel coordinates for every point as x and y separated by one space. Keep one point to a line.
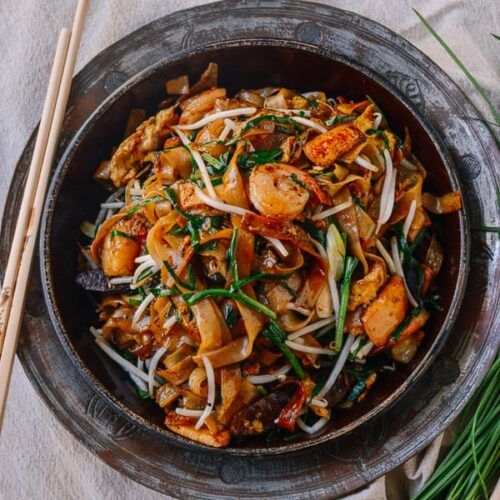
408 164
385 189
309 349
409 218
278 246
142 308
186 412
301 310
377 121
310 123
169 323
300 112
144 258
152 368
113 204
365 164
121 280
270 377
399 269
211 392
386 256
341 360
365 350
199 162
127 365
313 428
331 277
311 328
332 211
319 402
216 116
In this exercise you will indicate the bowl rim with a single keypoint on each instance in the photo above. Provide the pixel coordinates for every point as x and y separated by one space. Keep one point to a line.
57 182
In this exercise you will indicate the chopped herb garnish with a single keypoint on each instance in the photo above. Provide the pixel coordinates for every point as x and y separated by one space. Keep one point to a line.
402 327
116 233
262 390
296 180
312 102
230 315
143 203
314 232
88 229
357 389
194 223
272 118
358 202
340 119
375 131
250 160
143 394
216 166
277 336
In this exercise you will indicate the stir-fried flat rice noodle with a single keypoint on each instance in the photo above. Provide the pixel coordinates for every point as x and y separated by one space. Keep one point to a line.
262 258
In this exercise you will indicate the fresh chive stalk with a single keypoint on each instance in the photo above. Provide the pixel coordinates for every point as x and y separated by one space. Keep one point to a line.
277 336
195 297
175 277
350 266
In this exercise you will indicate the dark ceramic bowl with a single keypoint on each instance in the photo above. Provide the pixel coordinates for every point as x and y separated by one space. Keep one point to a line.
74 196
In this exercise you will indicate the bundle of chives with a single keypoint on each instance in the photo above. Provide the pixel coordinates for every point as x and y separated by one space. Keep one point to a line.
473 463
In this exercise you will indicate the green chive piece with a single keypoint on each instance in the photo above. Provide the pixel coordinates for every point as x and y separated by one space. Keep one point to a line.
183 284
116 233
277 336
350 266
88 229
192 298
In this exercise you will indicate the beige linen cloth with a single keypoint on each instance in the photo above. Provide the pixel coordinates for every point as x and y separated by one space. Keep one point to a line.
38 458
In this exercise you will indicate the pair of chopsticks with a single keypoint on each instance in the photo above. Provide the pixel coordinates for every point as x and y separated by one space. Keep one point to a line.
17 272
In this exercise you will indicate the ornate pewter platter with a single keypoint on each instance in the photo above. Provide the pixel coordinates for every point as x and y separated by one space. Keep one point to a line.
384 442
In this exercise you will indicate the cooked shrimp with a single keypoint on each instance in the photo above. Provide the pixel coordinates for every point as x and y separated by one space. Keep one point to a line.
122 245
273 191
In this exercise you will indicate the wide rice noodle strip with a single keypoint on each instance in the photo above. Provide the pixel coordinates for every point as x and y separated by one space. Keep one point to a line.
413 193
362 184
234 192
197 382
230 386
158 247
293 261
216 116
234 352
446 204
214 331
348 222
102 232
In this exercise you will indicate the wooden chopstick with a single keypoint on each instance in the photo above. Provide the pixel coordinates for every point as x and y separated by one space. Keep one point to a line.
21 255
